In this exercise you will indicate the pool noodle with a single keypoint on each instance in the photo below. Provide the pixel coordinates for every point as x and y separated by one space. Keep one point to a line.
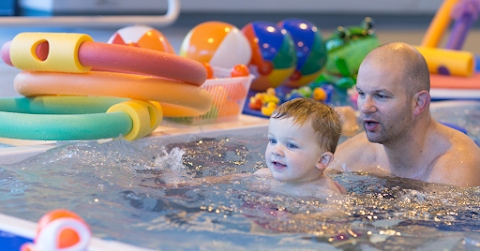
58 104
66 127
477 63
458 63
142 60
5 53
439 24
62 54
454 82
145 116
126 58
459 32
185 99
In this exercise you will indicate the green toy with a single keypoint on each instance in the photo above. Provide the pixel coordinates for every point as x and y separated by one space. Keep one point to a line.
347 47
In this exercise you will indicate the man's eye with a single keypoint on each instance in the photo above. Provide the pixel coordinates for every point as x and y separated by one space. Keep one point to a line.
381 96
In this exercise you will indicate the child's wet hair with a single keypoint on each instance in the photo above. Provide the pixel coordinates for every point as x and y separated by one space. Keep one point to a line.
324 119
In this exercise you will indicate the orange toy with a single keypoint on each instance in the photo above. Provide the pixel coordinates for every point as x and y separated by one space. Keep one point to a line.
60 230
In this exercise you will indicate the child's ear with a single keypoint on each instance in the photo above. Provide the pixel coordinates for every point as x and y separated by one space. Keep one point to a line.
325 159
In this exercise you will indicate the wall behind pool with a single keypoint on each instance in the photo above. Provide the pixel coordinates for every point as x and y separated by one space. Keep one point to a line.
57 7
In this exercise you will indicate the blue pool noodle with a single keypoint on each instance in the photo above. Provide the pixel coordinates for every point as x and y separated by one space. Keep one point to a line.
477 63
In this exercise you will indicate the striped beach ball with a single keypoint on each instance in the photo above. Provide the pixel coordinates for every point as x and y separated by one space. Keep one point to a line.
217 43
310 49
273 54
143 37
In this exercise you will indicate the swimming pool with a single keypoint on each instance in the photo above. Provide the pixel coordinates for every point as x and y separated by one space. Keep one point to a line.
126 192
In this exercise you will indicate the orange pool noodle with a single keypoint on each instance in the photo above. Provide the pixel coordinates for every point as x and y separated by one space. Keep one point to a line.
439 24
184 99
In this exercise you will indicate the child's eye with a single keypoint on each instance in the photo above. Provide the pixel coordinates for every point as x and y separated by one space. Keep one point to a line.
272 141
290 145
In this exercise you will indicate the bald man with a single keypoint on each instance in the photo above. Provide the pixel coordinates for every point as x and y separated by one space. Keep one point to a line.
401 138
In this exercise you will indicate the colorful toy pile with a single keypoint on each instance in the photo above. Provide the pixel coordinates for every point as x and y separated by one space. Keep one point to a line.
224 51
328 68
228 89
61 64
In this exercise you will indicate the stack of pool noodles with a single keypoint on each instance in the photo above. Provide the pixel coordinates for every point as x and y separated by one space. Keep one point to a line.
74 100
452 71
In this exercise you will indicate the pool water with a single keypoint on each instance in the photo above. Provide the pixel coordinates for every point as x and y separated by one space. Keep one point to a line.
464 114
143 193
138 193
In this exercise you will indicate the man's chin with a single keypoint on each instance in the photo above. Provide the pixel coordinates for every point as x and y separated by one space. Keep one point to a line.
373 138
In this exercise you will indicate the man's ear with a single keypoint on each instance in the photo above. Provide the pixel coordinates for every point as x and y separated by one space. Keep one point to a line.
421 101
325 159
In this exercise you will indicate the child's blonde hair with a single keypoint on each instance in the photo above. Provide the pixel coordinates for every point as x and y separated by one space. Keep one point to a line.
324 119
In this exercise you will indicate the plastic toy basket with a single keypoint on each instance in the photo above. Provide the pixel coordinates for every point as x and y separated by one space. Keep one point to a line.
229 95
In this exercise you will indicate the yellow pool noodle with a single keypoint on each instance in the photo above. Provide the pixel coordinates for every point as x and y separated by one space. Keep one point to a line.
145 116
439 24
62 54
458 63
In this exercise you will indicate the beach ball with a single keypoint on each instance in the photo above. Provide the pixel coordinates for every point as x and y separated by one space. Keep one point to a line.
273 54
143 37
217 43
310 49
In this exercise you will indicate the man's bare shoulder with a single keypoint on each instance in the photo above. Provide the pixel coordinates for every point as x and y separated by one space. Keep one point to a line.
460 164
354 153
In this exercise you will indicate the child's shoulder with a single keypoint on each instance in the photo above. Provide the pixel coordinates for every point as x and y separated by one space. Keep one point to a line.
326 185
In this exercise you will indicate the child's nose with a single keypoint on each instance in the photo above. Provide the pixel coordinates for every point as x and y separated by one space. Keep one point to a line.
278 150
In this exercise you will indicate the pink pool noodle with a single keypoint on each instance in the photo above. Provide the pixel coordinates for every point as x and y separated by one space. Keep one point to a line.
5 53
131 59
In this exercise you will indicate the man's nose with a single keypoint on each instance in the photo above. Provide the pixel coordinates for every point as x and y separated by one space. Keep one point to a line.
367 105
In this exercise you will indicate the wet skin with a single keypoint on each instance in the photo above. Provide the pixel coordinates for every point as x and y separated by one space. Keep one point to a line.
401 138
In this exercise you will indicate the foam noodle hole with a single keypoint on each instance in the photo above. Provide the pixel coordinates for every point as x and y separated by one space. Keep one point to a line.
41 50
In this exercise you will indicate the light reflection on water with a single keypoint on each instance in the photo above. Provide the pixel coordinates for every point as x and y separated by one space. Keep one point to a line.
136 193
464 114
